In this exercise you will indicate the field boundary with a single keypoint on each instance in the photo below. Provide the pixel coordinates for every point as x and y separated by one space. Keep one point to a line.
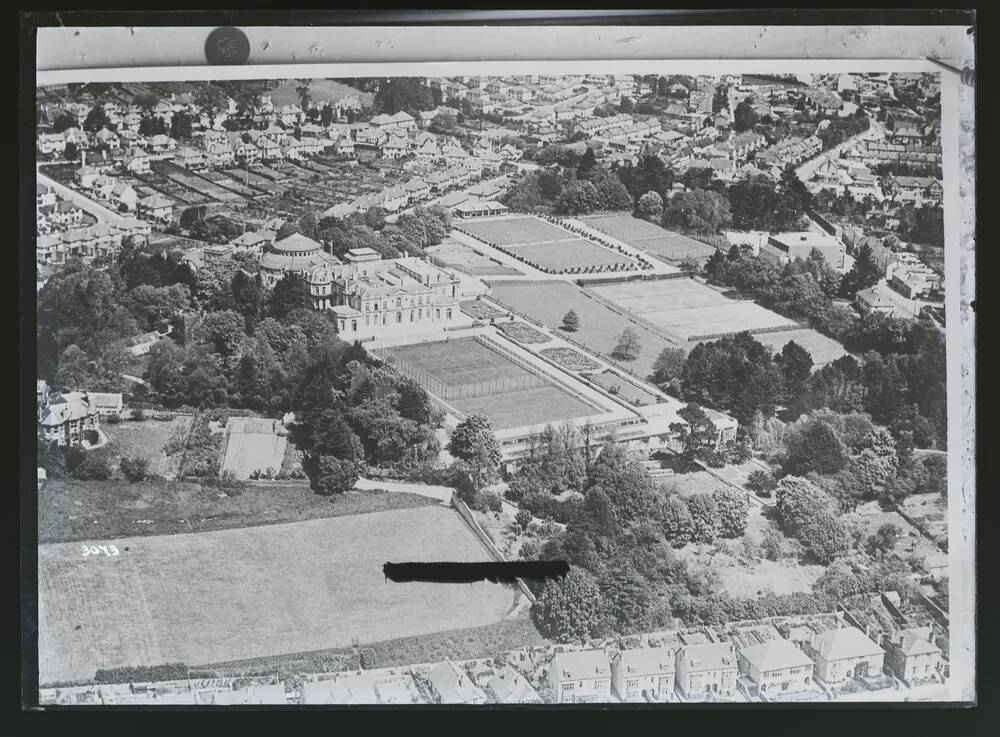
466 514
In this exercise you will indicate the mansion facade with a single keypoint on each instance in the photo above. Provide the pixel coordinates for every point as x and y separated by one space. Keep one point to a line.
368 295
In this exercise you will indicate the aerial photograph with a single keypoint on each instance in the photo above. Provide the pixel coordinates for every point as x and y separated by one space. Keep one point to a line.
684 333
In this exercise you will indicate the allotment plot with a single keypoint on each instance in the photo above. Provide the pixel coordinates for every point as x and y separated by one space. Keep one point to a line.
252 592
253 444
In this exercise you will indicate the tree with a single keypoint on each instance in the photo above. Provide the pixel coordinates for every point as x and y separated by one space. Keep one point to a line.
798 500
151 305
650 206
289 294
134 468
587 162
572 609
71 152
883 541
96 119
678 525
697 434
571 321
863 274
814 447
795 364
329 475
214 282
248 298
627 346
578 197
733 509
699 211
180 126
630 600
760 482
744 117
825 537
611 193
875 461
222 331
95 465
523 519
474 442
704 517
669 365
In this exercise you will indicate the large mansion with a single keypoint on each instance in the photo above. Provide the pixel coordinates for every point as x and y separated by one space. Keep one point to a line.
367 293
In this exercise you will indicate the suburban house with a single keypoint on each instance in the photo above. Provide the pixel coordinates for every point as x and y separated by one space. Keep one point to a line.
156 207
706 670
645 674
51 143
510 687
343 688
583 676
68 417
912 655
450 685
914 280
136 161
255 242
844 653
190 158
476 208
777 666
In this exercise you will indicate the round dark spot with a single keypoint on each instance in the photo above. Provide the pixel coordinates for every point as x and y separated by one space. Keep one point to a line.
227 45
126 548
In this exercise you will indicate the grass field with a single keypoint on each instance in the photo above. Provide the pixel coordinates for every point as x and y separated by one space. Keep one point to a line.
563 255
600 325
458 256
475 379
518 229
653 239
70 510
688 309
252 445
148 439
822 349
252 592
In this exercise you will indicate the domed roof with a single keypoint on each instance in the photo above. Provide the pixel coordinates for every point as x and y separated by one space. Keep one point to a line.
322 275
296 243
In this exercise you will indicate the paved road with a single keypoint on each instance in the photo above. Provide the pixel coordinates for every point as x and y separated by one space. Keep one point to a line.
99 211
876 131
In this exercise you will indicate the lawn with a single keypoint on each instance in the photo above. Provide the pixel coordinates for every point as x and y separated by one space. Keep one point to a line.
600 325
538 406
149 439
70 510
253 592
688 309
455 255
911 543
648 237
518 229
564 255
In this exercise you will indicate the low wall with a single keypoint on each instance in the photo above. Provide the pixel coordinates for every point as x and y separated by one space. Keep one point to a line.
466 514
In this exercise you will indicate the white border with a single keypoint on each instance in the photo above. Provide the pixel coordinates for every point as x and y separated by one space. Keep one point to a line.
959 268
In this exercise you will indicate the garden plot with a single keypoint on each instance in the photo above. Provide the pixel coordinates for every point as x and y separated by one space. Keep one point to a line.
522 332
570 359
253 592
207 189
690 310
161 442
613 383
455 255
648 237
479 310
253 445
600 325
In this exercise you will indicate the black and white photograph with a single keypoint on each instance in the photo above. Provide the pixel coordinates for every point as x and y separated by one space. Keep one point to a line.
691 329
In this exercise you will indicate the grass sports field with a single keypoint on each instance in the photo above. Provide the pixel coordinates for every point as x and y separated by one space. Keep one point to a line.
458 256
688 309
600 325
475 379
822 349
519 229
252 445
653 239
252 592
564 255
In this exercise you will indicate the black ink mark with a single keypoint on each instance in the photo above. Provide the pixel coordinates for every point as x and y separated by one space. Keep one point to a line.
509 572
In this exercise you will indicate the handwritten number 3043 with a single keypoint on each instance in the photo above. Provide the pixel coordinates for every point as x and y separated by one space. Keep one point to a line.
109 550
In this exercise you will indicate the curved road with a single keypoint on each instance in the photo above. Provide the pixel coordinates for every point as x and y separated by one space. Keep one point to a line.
99 211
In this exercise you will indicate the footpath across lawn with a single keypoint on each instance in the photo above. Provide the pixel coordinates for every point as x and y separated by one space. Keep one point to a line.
70 510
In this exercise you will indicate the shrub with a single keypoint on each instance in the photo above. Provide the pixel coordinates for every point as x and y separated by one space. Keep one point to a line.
135 468
94 466
523 519
368 658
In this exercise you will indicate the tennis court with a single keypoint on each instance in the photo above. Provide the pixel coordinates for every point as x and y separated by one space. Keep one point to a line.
649 237
506 231
568 254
